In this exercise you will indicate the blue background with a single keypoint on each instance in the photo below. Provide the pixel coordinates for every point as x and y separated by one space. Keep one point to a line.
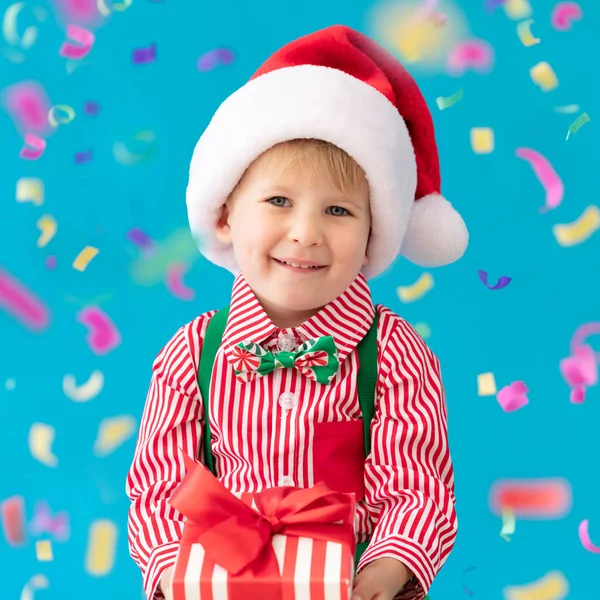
519 333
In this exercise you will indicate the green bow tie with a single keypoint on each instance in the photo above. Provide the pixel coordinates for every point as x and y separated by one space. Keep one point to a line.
317 359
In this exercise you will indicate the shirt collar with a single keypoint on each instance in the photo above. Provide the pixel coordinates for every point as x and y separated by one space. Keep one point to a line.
347 319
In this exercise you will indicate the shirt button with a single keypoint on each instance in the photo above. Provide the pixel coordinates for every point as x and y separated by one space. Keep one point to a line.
286 342
288 400
286 481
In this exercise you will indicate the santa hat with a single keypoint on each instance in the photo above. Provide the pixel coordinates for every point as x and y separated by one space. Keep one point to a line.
339 86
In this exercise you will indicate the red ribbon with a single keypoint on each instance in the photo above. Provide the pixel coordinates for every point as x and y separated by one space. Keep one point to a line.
238 538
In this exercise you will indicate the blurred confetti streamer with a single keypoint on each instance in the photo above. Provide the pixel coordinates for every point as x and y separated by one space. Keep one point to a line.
175 284
579 122
10 28
470 55
447 102
83 12
12 514
482 140
36 149
102 336
142 56
101 547
28 105
568 109
30 189
86 391
22 304
54 117
104 10
44 522
112 433
47 225
517 9
84 258
580 371
214 58
552 586
584 537
546 175
37 582
41 438
513 397
84 41
417 290
466 590
43 551
543 75
532 498
525 35
125 157
582 333
564 14
508 523
502 282
580 230
486 384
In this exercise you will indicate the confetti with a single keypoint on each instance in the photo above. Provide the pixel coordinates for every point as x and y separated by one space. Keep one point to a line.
449 101
175 284
125 157
101 547
41 438
37 582
142 56
417 290
117 6
582 333
112 433
502 282
47 225
486 384
579 371
512 397
12 515
532 498
508 523
517 9
464 586
51 262
584 537
491 5
563 15
141 239
83 157
474 54
43 550
525 35
28 105
22 304
38 145
80 11
103 336
84 38
85 257
86 391
546 175
580 230
552 586
54 118
482 140
569 108
423 330
214 58
578 123
30 189
44 522
91 108
543 75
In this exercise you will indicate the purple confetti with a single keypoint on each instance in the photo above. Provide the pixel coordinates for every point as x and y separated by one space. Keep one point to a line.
91 108
51 262
218 56
83 157
502 282
141 239
466 590
142 56
491 5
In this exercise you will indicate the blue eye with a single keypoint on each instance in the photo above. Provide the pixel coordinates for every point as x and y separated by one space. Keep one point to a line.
276 198
340 208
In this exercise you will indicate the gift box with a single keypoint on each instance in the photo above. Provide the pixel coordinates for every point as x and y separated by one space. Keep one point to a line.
282 543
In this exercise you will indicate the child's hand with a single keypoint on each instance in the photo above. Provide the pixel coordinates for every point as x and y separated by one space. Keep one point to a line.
165 583
380 580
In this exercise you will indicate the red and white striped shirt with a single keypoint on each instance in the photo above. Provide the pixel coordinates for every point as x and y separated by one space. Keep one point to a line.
285 429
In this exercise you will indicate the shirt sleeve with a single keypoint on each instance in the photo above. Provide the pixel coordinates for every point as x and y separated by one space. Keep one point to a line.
409 477
171 420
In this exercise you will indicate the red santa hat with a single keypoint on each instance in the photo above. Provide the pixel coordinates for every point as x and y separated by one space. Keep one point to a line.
339 86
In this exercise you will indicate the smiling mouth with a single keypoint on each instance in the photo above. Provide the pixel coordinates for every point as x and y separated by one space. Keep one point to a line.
289 266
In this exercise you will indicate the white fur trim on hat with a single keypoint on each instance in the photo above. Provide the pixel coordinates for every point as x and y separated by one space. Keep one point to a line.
306 101
436 233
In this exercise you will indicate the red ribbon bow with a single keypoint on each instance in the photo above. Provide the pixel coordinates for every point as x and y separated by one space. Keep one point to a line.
238 538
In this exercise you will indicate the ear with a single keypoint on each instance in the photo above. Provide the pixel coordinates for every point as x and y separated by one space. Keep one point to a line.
223 230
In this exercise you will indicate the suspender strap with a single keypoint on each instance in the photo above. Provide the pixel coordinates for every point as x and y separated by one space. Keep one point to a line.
367 380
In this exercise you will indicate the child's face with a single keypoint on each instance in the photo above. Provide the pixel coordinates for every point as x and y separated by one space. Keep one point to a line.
279 214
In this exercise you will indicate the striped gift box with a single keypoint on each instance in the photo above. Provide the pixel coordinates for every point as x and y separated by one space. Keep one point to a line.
310 570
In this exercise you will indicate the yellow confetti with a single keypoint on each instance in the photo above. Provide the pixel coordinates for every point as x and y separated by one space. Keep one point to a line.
37 582
54 118
43 550
553 586
482 140
525 35
84 257
517 9
41 438
102 543
113 432
508 523
543 75
86 391
30 190
486 384
47 225
417 290
580 230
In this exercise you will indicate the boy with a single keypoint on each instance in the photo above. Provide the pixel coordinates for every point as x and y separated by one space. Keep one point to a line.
309 180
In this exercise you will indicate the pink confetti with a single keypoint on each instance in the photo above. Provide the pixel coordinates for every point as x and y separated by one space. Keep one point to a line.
83 12
19 302
579 371
512 397
12 515
475 55
84 38
38 145
582 333
103 336
28 105
584 537
563 15
547 176
219 56
174 281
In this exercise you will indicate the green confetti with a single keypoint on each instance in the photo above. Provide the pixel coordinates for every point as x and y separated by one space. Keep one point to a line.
450 100
578 123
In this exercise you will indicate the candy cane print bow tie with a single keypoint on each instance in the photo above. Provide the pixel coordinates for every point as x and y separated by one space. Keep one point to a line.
316 358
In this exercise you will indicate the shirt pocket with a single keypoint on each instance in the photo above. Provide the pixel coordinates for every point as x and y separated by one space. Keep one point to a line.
339 456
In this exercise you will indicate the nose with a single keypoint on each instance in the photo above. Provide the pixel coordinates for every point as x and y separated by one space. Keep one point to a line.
306 228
